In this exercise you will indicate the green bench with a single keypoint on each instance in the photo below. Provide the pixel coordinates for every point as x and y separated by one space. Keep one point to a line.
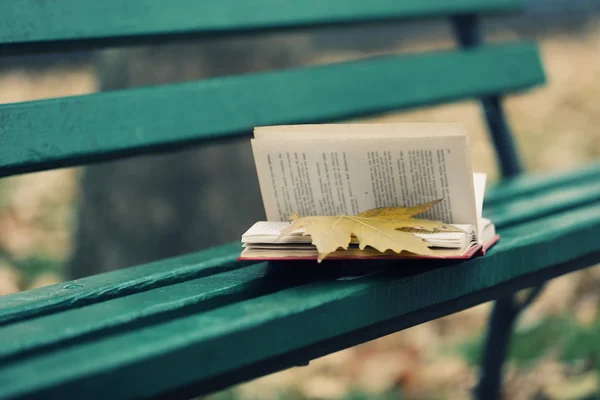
202 322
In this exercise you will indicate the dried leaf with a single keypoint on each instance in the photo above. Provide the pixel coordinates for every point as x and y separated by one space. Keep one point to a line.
294 216
377 230
405 215
398 213
330 233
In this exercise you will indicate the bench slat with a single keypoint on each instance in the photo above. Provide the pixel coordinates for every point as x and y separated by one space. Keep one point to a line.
531 184
528 207
143 308
140 279
150 307
74 130
93 289
251 332
28 21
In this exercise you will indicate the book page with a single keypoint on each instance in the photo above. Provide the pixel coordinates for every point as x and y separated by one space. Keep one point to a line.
349 174
479 179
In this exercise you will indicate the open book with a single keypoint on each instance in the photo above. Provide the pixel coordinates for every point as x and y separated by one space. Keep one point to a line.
344 169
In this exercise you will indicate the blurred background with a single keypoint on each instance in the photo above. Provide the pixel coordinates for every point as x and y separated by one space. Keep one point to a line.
70 223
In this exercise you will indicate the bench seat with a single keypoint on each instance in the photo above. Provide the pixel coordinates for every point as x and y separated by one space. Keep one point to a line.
198 323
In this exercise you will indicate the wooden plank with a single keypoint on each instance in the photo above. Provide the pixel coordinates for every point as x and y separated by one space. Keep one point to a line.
530 206
28 21
123 282
127 312
573 193
201 347
74 130
152 306
530 184
302 356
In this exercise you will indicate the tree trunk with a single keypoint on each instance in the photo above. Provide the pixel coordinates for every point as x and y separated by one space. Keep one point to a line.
147 208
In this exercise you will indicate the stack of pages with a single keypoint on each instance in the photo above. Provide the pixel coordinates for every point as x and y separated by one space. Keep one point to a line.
346 169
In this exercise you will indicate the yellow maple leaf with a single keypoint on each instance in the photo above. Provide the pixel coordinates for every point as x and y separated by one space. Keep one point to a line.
375 228
398 213
405 215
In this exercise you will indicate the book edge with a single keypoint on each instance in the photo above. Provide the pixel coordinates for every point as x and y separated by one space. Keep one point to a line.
479 250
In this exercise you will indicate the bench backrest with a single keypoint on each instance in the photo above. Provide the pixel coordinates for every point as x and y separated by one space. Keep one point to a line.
67 131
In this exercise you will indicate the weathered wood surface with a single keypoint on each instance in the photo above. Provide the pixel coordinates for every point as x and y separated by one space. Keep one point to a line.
81 129
84 23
